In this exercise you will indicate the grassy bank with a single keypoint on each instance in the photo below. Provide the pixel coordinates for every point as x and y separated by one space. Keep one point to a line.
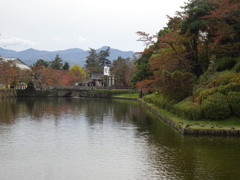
230 126
127 95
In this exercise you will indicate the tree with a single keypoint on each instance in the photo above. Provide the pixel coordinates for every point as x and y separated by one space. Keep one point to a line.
143 71
193 25
41 62
92 61
79 72
120 68
8 72
66 66
102 56
225 21
56 63
96 61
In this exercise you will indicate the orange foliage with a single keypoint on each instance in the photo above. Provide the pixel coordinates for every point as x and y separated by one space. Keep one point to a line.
53 77
145 86
8 72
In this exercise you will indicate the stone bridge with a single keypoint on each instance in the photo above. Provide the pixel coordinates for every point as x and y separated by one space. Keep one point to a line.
70 91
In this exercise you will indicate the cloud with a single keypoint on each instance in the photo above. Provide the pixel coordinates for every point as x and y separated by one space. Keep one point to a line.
56 38
17 41
80 38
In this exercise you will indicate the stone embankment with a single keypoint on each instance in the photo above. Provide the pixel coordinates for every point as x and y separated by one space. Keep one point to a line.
186 129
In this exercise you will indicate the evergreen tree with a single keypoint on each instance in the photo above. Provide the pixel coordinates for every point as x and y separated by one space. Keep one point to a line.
56 63
96 61
66 66
42 63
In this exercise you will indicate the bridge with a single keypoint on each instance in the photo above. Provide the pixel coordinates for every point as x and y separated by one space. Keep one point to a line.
71 91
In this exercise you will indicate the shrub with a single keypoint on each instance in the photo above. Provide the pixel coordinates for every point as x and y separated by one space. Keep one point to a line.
216 107
188 109
225 63
206 92
159 101
234 101
233 86
236 68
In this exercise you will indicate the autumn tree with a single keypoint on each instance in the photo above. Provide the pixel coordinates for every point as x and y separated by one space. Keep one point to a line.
225 21
8 72
79 72
121 68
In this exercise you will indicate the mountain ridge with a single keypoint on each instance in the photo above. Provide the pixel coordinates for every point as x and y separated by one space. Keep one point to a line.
71 55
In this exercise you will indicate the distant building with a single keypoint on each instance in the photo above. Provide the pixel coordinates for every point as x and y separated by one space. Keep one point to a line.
97 79
20 64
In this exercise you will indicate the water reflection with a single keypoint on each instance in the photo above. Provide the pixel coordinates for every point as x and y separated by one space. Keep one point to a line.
104 139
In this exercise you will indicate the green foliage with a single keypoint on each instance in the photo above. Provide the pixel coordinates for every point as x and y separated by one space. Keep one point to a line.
205 92
188 109
143 69
236 68
194 10
96 61
56 63
159 101
216 107
234 101
66 66
233 86
42 63
225 63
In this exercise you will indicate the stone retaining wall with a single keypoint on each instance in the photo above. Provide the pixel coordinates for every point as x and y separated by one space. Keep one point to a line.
186 130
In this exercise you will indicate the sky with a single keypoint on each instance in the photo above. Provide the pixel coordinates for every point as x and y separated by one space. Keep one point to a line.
62 24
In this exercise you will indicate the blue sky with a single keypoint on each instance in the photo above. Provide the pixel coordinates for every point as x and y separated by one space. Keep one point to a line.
62 24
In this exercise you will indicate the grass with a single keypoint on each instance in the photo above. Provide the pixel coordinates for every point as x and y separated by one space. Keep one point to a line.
127 95
226 124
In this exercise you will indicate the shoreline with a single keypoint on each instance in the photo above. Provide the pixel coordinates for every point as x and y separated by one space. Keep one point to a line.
184 127
189 129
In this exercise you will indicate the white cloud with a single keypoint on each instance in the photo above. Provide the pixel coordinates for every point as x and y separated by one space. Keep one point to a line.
17 41
80 38
56 38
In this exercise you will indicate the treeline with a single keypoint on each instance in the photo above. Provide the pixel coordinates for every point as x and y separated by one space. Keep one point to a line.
193 66
58 72
121 68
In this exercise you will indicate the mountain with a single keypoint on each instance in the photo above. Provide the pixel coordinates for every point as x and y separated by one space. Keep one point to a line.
72 56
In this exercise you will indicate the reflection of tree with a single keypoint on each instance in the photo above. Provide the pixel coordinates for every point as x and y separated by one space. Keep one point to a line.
8 110
98 109
187 157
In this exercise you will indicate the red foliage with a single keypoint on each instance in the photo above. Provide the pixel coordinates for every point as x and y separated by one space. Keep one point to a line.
53 77
145 86
223 18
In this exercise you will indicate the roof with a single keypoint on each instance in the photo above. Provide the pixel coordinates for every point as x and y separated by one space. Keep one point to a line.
96 76
20 64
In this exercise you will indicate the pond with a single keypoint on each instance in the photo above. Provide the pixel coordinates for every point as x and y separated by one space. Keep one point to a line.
99 139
